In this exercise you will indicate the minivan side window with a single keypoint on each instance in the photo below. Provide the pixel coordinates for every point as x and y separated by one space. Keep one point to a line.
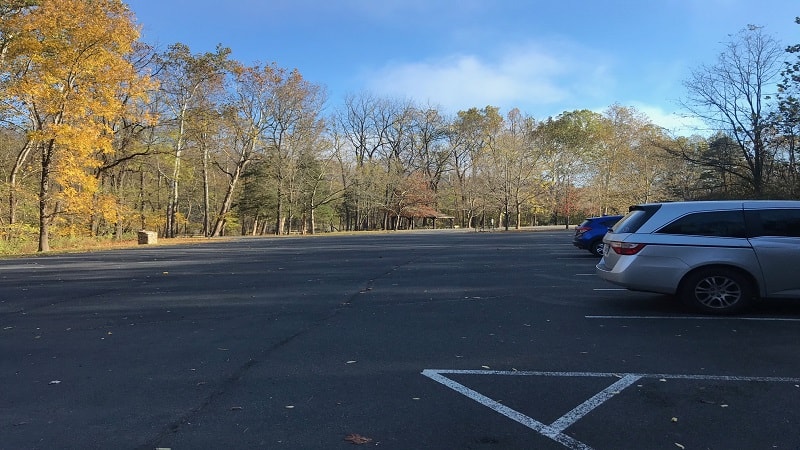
774 222
708 223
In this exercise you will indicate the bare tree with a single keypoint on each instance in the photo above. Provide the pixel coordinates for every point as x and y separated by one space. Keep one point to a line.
365 125
787 117
183 78
247 115
568 141
470 135
293 129
732 96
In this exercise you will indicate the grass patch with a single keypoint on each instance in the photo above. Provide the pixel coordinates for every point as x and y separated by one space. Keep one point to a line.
80 244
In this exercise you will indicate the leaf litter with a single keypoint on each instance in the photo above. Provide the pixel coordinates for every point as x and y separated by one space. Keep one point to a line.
357 439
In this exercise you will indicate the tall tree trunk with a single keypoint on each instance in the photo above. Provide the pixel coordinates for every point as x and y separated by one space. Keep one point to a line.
255 226
142 222
119 227
206 202
12 181
44 193
226 203
279 217
312 219
172 205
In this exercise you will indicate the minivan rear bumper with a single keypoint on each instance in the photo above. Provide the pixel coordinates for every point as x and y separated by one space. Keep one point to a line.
640 276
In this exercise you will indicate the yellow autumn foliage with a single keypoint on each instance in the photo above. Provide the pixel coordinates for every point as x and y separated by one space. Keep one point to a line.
75 79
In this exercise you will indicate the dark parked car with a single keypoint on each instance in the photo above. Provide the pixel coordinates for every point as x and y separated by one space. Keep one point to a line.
589 234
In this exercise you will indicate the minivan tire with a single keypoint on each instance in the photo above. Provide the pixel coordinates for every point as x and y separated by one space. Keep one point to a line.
717 290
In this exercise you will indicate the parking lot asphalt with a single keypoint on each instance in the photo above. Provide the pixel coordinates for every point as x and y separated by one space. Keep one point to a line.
444 339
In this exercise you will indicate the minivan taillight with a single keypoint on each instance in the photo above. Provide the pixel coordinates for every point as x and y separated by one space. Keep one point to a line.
625 248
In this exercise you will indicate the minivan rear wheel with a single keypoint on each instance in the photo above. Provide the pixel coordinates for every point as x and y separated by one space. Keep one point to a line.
717 290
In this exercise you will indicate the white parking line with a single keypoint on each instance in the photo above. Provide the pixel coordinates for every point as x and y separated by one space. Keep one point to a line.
555 430
758 319
516 416
586 407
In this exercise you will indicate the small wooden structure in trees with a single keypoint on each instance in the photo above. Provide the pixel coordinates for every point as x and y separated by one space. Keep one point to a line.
410 216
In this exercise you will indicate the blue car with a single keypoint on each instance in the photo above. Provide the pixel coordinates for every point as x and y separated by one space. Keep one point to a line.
589 234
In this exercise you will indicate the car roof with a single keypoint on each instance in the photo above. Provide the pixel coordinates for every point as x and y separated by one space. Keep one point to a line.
604 217
710 205
666 212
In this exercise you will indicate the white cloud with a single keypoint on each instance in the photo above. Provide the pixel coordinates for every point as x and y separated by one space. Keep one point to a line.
675 123
540 80
523 77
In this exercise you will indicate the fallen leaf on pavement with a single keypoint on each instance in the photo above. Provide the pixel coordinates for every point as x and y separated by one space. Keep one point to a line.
357 439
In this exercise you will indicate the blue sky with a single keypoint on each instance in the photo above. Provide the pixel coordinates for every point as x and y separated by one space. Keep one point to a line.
541 56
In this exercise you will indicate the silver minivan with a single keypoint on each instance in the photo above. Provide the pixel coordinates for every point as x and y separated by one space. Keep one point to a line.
716 255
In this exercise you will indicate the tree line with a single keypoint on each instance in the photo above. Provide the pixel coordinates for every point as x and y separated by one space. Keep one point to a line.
103 135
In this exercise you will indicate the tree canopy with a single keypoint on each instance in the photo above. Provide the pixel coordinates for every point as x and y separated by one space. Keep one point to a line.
103 135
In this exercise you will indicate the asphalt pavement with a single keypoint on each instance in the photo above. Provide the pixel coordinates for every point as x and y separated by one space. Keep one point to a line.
439 339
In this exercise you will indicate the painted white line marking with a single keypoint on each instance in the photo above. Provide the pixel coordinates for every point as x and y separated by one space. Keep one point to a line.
610 289
584 274
516 416
757 319
586 407
609 375
555 430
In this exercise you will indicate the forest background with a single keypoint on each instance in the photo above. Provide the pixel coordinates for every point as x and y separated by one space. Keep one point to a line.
103 135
